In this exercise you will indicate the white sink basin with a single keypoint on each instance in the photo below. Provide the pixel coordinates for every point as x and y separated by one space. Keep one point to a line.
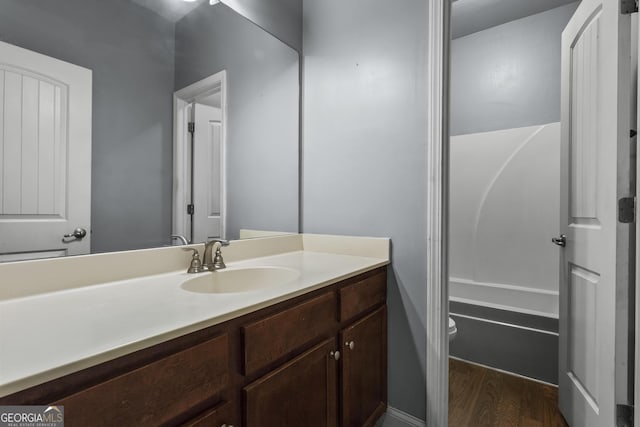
231 280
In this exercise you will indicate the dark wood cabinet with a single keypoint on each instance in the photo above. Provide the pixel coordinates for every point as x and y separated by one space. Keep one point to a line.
319 359
302 392
223 414
364 366
274 337
156 393
360 296
296 394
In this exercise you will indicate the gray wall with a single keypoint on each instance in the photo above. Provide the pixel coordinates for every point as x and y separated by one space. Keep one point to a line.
130 51
282 18
471 16
364 153
263 94
508 76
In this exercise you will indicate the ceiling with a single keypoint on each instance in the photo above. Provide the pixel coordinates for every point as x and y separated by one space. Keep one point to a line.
470 16
172 10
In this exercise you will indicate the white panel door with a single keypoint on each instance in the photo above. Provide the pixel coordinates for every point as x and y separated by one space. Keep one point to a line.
45 155
208 172
594 175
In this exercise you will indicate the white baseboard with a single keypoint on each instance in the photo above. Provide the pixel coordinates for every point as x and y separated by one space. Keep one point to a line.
396 418
523 299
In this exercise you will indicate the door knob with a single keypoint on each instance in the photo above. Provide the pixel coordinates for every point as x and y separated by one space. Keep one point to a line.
350 345
335 355
78 234
560 241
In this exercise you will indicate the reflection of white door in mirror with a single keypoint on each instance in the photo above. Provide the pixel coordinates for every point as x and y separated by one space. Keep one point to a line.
203 103
208 165
45 155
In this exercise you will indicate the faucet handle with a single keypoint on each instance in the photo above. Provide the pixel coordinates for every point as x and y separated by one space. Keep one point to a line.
218 262
196 264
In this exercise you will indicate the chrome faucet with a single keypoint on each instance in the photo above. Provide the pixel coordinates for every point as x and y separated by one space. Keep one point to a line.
210 262
180 237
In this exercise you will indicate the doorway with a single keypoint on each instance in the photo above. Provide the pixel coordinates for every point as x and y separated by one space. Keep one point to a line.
594 308
199 197
504 160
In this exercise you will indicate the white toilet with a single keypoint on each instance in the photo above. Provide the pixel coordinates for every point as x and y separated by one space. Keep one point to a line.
452 329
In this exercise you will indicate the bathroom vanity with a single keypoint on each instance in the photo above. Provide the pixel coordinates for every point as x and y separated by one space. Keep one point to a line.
311 351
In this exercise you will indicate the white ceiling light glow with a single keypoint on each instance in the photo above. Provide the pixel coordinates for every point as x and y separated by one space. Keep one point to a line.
173 10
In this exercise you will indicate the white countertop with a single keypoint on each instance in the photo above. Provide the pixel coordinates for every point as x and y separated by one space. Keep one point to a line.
47 335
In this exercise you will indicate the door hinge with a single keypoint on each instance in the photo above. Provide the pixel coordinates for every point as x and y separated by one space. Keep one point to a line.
190 209
627 210
191 127
628 6
624 416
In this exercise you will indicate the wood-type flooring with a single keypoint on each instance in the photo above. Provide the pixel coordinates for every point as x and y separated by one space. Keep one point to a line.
479 397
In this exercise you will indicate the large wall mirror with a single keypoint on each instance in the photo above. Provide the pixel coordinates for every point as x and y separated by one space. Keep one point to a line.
96 101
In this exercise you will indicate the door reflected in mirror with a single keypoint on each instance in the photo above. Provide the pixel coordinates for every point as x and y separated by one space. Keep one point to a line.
137 57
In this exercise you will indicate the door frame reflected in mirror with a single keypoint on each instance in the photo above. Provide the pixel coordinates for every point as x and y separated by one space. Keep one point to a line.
183 100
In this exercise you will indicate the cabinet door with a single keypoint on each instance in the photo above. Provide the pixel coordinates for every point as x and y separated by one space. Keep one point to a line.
364 370
302 392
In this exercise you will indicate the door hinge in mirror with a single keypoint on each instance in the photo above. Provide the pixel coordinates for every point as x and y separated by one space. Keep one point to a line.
628 6
624 416
191 127
190 209
627 210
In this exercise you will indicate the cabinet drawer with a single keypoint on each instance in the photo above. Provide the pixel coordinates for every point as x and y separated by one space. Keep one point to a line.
221 415
155 393
271 338
363 295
